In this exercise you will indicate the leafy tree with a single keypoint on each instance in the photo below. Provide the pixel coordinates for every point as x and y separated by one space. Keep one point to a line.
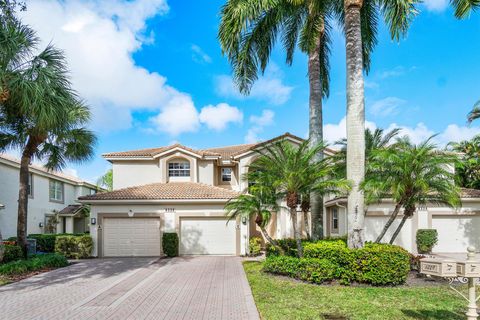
360 18
106 181
292 171
412 176
474 113
249 29
258 203
467 169
40 114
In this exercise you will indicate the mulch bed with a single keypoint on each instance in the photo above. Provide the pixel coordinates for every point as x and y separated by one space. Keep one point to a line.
18 277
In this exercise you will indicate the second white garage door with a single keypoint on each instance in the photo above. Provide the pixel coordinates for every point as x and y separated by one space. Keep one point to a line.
207 236
131 237
455 233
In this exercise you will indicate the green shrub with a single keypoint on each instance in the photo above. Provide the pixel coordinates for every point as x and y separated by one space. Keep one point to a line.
288 245
170 244
336 252
283 265
316 270
72 246
12 253
426 240
46 241
255 246
381 264
38 262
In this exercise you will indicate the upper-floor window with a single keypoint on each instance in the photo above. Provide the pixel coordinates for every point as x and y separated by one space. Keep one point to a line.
335 220
92 191
30 185
179 169
226 174
56 190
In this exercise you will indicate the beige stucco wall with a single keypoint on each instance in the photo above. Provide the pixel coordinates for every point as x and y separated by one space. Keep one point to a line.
133 173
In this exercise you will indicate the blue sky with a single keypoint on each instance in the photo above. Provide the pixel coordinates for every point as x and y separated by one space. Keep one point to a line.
153 73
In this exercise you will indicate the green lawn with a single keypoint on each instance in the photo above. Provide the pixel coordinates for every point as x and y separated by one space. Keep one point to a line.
282 298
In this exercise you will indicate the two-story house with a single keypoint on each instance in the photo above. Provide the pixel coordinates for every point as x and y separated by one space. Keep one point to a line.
182 190
52 203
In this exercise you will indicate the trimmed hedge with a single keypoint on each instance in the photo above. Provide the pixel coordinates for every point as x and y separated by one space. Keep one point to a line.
375 264
382 264
255 246
38 262
426 240
306 269
170 244
12 253
76 247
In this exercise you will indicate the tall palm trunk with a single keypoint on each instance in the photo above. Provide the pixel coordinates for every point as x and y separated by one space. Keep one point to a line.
27 154
406 214
392 218
355 122
296 231
316 131
273 242
2 247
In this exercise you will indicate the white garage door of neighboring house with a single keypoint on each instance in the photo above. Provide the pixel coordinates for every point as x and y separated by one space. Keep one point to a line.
126 237
455 234
207 236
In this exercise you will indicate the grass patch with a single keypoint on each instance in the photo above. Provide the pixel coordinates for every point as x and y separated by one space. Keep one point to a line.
283 298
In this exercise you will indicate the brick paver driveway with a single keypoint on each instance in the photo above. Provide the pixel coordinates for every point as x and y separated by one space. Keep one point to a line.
134 288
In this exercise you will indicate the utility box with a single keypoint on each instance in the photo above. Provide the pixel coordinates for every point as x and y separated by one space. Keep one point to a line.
31 246
438 267
469 269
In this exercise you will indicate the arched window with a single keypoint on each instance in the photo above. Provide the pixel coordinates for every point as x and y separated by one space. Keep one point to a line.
179 168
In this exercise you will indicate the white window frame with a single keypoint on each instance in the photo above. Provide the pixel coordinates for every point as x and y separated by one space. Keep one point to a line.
226 177
30 185
334 218
58 191
179 169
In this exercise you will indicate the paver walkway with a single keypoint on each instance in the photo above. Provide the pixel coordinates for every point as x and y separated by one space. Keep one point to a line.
134 288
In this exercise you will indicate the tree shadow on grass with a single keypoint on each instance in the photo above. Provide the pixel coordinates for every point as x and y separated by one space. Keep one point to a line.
434 314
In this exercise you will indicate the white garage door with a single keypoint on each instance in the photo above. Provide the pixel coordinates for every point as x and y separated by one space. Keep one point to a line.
455 234
207 236
127 237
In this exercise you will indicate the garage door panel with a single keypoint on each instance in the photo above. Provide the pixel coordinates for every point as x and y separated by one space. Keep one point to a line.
207 236
455 234
131 237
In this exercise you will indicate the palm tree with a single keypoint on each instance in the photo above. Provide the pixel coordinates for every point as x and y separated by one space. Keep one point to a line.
474 113
292 171
248 31
467 169
374 140
412 176
463 8
258 203
360 26
40 114
106 181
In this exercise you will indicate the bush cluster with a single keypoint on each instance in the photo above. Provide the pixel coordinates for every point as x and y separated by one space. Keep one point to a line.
46 241
38 262
426 240
255 246
12 253
170 244
376 264
72 246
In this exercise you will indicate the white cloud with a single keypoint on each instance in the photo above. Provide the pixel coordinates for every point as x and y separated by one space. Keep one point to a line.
177 116
333 132
217 117
258 125
386 107
265 119
99 39
269 87
436 5
198 55
416 134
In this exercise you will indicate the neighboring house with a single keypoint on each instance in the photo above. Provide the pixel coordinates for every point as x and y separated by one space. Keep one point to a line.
52 205
182 190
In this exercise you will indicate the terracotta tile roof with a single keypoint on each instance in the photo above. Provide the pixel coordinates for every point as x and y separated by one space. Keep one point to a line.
470 193
56 173
229 151
166 191
71 209
152 152
225 152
